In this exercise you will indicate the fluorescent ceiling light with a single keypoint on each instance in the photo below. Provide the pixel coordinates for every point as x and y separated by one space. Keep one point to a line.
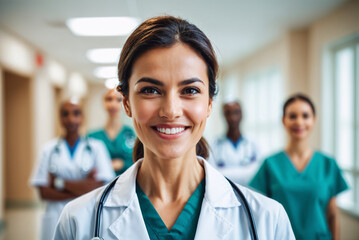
104 55
111 83
102 26
106 72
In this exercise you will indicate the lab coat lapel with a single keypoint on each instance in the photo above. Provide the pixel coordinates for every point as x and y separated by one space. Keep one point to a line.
212 224
130 224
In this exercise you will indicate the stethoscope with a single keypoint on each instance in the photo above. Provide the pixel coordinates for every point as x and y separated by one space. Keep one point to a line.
237 191
246 155
86 158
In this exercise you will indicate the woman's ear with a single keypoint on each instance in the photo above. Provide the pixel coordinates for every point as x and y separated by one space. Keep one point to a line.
126 105
209 111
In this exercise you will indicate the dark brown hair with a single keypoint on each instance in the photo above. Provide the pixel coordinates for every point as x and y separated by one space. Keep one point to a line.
295 97
161 32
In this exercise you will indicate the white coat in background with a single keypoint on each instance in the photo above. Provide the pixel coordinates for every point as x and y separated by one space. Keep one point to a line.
222 215
68 169
238 163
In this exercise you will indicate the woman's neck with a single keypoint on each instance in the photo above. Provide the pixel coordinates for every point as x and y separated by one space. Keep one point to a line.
113 126
299 149
170 180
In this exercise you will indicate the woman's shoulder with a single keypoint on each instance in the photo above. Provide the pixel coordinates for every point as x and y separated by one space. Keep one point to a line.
260 202
128 129
321 155
96 132
274 158
325 159
268 214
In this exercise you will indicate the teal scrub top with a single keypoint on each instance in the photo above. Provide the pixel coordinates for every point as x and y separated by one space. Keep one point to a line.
186 223
119 147
304 195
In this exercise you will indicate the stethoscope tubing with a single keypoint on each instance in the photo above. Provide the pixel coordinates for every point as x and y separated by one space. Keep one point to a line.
238 192
56 150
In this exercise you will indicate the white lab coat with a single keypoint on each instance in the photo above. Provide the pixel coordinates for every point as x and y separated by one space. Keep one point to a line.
222 215
237 163
69 169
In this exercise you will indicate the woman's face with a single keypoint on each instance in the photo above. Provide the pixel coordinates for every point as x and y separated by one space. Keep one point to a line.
169 100
113 100
299 119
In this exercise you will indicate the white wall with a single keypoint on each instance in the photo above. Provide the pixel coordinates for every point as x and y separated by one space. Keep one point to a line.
1 151
96 115
19 57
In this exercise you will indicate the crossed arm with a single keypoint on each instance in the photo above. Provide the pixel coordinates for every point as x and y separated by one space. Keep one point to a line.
72 189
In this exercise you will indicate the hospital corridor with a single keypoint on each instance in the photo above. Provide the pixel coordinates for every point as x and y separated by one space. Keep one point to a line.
226 119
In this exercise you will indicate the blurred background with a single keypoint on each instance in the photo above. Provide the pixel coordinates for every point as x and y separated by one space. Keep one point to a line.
267 51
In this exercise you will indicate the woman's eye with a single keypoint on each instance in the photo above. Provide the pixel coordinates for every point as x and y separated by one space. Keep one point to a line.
190 91
292 116
306 115
149 90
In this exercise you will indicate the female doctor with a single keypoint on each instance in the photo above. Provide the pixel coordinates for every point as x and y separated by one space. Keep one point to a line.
69 167
167 73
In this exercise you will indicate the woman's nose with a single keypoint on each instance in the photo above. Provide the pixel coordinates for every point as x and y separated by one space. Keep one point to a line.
171 107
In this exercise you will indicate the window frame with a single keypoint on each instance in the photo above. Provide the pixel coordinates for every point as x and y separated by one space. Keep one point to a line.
330 111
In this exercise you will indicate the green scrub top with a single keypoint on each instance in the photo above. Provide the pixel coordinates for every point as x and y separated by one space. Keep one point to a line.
119 147
304 195
186 223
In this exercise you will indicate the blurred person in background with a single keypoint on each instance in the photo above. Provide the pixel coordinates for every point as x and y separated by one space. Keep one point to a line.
234 155
68 167
118 138
304 180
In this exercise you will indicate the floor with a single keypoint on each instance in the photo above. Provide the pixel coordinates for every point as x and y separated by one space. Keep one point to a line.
22 223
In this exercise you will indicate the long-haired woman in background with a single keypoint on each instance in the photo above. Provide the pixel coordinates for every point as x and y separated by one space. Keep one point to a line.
305 181
118 138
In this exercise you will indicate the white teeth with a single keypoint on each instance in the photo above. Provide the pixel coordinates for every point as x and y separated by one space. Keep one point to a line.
170 131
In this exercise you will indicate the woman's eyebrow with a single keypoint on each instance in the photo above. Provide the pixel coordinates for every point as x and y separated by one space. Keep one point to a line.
159 83
150 80
190 81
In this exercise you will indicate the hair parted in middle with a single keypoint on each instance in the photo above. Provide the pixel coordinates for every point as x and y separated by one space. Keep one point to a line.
162 32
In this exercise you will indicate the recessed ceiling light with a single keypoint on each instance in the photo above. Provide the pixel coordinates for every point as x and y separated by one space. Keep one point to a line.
106 72
102 26
104 55
111 83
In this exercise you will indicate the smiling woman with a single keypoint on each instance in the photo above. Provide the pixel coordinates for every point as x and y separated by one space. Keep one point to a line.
167 73
305 181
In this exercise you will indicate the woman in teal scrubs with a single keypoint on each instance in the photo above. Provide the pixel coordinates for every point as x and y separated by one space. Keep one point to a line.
118 139
305 181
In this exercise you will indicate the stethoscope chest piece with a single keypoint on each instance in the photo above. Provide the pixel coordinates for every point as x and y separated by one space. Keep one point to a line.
97 238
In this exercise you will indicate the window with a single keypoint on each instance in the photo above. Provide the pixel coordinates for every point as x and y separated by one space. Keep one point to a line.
341 92
262 99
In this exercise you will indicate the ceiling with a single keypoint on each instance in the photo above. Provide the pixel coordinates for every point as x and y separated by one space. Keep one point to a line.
235 27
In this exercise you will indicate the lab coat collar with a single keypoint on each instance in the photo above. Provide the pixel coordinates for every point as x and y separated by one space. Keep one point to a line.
218 193
211 223
125 188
